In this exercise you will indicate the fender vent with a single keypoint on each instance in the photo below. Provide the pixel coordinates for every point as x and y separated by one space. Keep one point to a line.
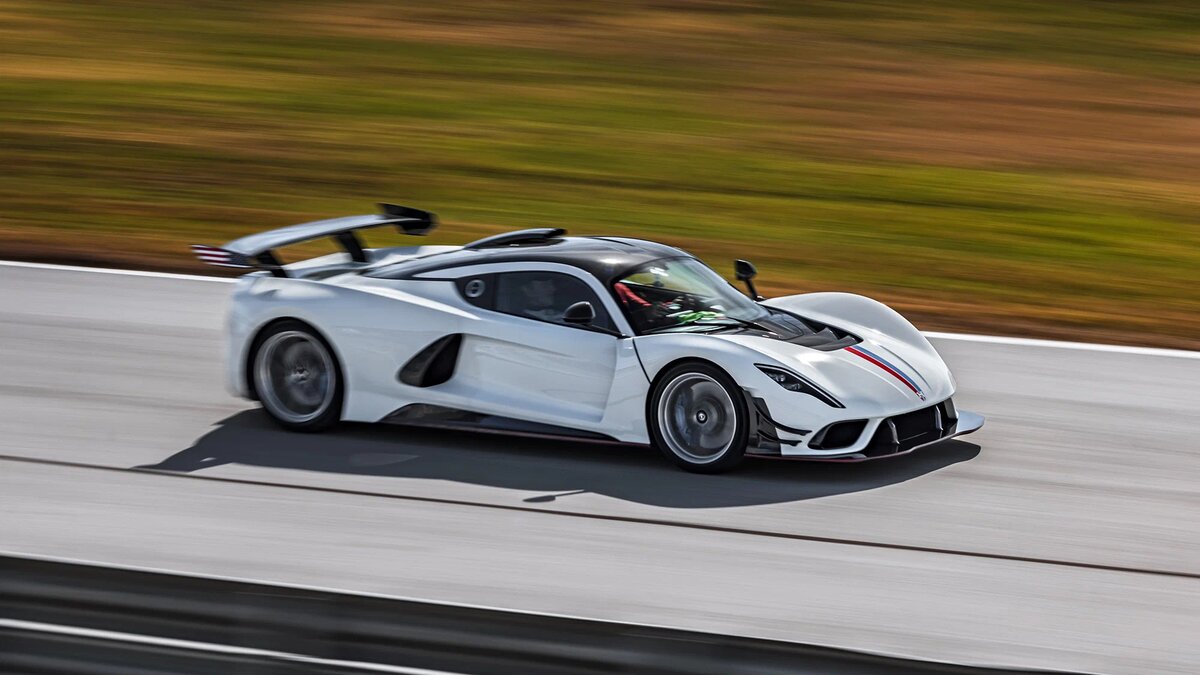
432 365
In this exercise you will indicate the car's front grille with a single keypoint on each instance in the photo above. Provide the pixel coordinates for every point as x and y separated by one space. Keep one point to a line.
917 424
901 433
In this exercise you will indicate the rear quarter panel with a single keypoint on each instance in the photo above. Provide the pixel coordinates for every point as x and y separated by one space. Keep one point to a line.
373 331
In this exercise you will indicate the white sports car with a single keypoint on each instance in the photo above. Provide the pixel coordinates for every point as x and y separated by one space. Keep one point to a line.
588 338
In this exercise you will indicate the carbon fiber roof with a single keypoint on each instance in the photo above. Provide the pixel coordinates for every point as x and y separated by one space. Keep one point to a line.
602 257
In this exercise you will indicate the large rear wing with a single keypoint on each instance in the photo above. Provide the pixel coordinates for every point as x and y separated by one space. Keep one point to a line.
258 250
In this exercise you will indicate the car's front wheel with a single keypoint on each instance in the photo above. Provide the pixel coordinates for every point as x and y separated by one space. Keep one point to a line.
296 377
698 418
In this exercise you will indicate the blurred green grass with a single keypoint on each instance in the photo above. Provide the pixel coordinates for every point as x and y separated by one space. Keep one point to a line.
1024 168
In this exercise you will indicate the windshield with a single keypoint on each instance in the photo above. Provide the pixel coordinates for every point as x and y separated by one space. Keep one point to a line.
682 294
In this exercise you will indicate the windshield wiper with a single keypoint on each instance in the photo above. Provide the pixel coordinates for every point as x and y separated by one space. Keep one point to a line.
723 321
677 326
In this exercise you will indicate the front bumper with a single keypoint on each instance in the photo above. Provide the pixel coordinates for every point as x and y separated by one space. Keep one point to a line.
879 438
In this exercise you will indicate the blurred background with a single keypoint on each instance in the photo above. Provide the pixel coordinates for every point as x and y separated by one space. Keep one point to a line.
1023 168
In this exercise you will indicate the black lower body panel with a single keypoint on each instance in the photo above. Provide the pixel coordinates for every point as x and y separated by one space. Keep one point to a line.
901 434
427 415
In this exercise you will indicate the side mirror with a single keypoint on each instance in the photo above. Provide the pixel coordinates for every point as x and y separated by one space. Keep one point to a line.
580 314
745 271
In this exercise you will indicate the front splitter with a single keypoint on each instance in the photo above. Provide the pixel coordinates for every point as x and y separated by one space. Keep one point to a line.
968 422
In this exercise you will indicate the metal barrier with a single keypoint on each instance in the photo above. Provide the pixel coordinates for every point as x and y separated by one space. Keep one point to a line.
60 616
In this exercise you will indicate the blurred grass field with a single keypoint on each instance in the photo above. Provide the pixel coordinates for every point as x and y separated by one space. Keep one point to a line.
1022 168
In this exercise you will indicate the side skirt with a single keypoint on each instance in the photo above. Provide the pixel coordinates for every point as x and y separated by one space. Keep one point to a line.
441 417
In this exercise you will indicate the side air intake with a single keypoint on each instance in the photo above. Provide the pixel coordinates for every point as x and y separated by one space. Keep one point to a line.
432 365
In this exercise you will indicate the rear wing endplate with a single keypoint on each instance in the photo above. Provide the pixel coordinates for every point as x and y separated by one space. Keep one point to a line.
258 250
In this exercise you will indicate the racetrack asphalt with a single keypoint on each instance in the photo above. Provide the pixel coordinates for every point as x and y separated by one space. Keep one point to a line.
1064 535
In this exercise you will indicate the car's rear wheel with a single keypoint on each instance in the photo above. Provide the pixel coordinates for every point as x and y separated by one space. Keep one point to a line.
698 418
297 378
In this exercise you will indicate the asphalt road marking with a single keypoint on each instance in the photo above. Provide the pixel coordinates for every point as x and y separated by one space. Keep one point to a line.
109 270
1059 344
863 543
210 647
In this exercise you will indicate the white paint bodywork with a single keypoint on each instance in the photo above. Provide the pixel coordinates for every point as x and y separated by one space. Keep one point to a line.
568 376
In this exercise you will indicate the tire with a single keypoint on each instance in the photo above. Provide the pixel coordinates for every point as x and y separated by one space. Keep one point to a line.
296 377
698 418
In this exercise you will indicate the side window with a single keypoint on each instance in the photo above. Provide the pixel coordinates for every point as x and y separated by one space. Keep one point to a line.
479 290
545 296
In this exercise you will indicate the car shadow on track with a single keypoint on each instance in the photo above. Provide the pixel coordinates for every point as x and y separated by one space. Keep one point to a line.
555 469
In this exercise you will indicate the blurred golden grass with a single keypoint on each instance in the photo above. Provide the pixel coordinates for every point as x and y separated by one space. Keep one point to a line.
1024 167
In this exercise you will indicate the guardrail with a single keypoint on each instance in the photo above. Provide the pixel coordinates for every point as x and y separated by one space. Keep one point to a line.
58 616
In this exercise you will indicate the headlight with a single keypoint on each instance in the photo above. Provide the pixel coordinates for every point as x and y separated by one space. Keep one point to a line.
797 383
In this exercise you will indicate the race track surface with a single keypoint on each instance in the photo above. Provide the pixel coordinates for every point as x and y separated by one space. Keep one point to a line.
1064 535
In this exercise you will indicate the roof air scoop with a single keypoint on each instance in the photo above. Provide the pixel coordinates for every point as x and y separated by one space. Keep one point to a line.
540 235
